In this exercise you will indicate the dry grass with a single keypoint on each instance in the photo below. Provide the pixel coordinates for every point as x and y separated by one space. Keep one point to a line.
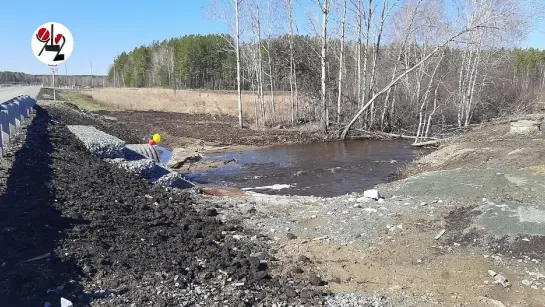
83 101
192 101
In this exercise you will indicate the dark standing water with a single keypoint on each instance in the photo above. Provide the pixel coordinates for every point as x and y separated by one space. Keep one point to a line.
319 169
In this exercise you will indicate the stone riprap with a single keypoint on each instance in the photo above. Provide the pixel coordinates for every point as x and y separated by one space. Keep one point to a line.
110 147
97 142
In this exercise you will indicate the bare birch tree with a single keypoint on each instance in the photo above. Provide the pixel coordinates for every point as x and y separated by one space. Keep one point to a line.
341 63
406 72
324 7
224 10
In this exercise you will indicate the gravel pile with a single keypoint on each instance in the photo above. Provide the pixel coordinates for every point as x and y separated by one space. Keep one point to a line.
154 172
99 143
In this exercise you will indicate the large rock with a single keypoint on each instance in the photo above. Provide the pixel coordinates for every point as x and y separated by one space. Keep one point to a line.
181 156
374 194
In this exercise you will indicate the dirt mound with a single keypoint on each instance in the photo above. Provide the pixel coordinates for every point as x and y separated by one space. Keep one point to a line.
119 238
485 147
218 130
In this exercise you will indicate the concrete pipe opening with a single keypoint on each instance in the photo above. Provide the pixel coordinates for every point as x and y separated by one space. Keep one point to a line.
136 151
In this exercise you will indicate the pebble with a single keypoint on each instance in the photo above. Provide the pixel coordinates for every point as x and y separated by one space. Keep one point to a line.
423 203
211 212
303 258
316 281
291 236
526 282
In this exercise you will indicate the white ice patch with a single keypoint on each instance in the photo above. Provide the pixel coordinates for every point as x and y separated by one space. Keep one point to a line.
271 187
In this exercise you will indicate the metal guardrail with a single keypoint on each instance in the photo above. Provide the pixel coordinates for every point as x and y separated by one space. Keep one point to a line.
12 113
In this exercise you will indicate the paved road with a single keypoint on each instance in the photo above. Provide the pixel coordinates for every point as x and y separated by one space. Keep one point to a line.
6 93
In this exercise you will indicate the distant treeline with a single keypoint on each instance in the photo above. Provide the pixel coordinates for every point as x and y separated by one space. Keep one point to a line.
10 77
19 78
453 88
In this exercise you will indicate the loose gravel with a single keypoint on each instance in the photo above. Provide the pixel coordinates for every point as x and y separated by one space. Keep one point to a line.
346 219
98 142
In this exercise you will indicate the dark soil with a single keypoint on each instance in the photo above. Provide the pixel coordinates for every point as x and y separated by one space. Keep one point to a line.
533 248
460 230
176 128
458 226
116 238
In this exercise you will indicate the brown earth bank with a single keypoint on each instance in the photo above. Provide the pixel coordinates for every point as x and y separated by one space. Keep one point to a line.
194 129
74 226
186 129
489 145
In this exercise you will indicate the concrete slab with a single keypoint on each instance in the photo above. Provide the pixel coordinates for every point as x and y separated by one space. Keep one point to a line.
525 126
4 127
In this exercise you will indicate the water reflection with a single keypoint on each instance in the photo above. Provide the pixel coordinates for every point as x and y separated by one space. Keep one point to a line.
320 169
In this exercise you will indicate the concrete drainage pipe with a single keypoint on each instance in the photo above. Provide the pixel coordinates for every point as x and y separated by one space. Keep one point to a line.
135 151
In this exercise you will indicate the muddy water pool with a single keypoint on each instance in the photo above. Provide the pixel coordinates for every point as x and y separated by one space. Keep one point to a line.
319 169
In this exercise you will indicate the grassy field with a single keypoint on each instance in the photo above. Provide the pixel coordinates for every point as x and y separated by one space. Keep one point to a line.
192 101
83 101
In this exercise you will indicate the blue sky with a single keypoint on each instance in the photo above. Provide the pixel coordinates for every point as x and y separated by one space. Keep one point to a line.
101 29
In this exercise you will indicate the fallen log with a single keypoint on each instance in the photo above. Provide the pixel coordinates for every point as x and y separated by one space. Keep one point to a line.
392 135
429 143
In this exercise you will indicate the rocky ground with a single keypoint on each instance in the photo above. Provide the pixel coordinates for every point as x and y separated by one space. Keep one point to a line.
471 216
77 227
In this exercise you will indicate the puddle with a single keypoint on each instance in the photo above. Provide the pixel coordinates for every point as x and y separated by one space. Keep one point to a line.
319 169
